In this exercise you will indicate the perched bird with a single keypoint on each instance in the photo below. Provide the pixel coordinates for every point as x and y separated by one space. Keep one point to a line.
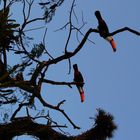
104 31
80 81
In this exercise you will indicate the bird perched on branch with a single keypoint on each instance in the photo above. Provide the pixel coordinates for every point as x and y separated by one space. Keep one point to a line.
104 31
80 81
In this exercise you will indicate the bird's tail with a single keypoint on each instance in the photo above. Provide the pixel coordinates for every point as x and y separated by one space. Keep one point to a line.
112 42
82 96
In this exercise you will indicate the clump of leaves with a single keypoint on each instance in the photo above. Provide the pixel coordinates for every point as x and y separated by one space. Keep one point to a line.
7 29
50 8
104 124
37 50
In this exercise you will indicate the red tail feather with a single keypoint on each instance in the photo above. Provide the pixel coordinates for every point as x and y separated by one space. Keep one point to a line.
112 42
82 96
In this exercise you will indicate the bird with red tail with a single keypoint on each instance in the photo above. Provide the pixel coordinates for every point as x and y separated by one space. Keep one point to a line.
78 78
104 31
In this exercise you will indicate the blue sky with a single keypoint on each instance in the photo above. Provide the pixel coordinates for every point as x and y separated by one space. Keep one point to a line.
111 79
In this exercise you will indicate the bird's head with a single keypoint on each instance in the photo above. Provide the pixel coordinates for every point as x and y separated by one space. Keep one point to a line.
75 67
98 14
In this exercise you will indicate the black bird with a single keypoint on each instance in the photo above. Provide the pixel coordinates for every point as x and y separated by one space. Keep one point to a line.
104 31
80 81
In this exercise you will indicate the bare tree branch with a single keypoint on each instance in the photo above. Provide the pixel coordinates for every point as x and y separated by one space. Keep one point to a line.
70 26
58 109
100 131
125 29
46 51
60 83
18 109
9 101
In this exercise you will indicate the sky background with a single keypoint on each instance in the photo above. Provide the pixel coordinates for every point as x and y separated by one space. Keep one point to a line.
112 80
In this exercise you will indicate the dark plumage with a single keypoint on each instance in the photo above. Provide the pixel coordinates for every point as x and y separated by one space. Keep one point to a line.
102 26
104 31
80 81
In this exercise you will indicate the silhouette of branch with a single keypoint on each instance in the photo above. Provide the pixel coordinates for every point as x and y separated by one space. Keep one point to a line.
57 107
33 29
30 127
38 71
8 101
26 52
67 55
18 109
7 92
71 54
102 129
8 73
118 31
50 121
59 104
70 26
125 29
60 83
25 85
44 38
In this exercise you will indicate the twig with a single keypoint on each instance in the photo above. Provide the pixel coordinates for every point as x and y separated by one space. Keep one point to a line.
70 26
49 119
10 101
45 45
75 15
71 54
59 104
58 109
62 27
23 10
29 9
10 91
34 29
79 31
18 109
26 52
69 66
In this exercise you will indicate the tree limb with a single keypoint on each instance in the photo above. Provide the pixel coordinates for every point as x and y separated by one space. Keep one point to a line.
58 109
102 129
59 83
125 29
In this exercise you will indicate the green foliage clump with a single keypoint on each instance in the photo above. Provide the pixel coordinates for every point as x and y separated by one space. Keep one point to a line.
7 29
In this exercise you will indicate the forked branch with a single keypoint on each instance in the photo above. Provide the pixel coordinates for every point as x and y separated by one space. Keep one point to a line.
57 107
